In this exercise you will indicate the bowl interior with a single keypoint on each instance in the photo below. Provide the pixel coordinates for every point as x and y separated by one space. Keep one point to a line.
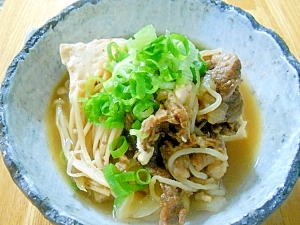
267 64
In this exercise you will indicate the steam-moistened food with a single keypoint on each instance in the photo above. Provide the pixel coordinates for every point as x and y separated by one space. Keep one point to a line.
145 121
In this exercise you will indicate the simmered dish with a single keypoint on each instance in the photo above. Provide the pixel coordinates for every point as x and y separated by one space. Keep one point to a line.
144 121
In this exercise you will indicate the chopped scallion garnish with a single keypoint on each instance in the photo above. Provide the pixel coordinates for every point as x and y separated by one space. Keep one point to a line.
118 147
140 68
124 183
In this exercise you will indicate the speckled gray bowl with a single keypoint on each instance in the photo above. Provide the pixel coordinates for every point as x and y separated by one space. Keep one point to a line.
267 63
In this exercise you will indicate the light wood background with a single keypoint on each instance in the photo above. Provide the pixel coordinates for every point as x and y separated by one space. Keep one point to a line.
18 16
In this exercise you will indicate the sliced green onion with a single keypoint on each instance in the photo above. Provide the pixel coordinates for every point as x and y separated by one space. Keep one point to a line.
119 55
198 69
118 202
167 85
191 57
118 147
140 68
138 85
116 121
111 65
144 69
136 125
109 172
144 109
122 91
110 46
126 176
178 46
138 133
142 176
154 50
123 68
203 68
63 157
123 184
105 106
92 110
137 187
187 74
160 67
127 104
88 83
74 185
144 36
109 85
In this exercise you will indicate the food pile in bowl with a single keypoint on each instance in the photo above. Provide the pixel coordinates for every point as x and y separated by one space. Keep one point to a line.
152 122
151 109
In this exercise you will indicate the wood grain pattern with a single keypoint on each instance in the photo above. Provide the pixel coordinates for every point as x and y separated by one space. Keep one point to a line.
18 17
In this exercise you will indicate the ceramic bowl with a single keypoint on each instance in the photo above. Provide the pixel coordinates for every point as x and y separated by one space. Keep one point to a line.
267 64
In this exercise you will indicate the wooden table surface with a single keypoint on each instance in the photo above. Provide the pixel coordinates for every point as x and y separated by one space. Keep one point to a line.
17 17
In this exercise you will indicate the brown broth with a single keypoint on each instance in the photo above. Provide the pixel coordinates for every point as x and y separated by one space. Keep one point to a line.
242 153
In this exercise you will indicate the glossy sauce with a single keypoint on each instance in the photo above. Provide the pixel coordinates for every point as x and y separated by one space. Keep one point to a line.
242 153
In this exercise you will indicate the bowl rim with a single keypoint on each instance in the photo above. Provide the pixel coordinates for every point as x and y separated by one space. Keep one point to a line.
48 210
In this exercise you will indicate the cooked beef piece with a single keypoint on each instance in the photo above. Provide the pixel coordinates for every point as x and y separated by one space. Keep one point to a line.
225 128
180 167
157 170
173 211
169 116
235 103
225 71
209 164
169 131
199 160
174 201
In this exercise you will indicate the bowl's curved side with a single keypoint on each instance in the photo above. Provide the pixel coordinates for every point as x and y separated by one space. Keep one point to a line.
257 26
50 210
14 166
260 214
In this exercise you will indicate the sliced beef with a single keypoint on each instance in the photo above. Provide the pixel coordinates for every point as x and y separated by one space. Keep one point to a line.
169 131
235 103
201 162
180 167
170 116
173 211
212 166
174 201
225 71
